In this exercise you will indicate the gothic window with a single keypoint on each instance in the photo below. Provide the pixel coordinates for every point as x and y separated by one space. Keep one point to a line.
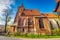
51 25
24 22
30 21
58 24
41 25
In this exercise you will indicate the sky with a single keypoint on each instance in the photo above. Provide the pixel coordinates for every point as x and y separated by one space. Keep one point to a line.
43 6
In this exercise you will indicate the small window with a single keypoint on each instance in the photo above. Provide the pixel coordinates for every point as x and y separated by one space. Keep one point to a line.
30 21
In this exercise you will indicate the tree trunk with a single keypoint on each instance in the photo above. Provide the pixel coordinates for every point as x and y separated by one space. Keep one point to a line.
5 26
6 21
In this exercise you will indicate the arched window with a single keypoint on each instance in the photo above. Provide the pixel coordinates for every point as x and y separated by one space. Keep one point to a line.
57 23
41 25
30 21
24 22
51 25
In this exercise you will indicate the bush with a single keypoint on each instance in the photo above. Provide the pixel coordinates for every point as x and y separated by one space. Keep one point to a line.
18 33
56 32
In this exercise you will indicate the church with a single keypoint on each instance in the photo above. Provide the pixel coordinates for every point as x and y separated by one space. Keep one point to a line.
32 21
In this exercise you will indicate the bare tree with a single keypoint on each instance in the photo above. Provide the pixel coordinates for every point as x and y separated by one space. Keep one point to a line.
7 17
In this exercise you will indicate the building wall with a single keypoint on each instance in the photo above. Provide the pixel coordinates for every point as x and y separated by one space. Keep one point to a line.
35 27
44 30
26 27
47 27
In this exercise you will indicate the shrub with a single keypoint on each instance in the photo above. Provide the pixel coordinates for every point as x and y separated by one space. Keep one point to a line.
56 32
18 33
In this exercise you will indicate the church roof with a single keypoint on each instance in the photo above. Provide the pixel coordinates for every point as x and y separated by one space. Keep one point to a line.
31 12
50 15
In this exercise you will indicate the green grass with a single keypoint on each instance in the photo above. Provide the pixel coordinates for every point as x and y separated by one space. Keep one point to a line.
33 36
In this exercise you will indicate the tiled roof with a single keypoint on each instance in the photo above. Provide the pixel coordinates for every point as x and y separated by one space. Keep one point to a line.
31 12
50 15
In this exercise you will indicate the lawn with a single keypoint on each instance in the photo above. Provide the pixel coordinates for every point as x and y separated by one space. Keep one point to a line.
55 34
33 36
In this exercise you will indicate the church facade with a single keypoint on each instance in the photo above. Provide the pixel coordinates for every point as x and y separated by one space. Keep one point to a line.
32 21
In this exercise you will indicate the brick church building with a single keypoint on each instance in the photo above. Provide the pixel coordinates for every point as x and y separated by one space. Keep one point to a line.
32 21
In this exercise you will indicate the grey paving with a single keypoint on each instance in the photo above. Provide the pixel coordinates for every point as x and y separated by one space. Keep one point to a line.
10 38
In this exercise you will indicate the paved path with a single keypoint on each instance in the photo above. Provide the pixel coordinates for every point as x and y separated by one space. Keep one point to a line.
10 38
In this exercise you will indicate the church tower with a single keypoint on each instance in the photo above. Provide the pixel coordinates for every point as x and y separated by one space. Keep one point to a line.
20 10
57 9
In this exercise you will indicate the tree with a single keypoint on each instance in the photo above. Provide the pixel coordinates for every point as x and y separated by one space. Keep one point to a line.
7 17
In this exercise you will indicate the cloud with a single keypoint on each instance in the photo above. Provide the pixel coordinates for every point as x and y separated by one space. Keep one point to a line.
5 4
